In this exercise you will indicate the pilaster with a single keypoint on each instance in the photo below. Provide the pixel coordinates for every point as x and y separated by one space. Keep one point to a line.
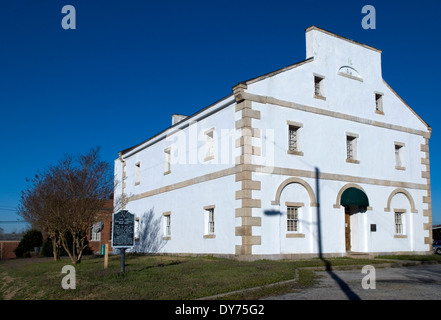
244 174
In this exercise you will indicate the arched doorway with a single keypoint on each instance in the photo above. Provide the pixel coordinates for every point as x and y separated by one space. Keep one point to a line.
354 200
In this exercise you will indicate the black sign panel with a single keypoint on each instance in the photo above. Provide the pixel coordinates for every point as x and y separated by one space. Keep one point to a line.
123 234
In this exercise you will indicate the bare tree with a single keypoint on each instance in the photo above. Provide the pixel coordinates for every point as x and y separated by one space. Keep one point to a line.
65 200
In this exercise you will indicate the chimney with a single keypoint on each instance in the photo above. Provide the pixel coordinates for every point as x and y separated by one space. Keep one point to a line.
177 118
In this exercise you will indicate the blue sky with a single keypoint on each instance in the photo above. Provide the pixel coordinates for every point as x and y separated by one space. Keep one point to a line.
117 79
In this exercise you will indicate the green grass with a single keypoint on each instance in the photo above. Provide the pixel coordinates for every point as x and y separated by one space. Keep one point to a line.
158 277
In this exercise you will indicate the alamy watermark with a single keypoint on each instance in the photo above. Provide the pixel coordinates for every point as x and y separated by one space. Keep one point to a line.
69 21
368 281
369 21
69 281
199 145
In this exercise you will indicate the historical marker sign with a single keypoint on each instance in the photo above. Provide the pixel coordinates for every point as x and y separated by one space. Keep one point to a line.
123 235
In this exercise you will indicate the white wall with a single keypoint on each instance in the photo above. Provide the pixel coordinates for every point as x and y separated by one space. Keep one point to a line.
349 107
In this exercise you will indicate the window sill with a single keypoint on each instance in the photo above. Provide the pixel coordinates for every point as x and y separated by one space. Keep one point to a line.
353 161
349 76
296 153
400 168
209 236
208 158
316 96
295 235
400 236
379 112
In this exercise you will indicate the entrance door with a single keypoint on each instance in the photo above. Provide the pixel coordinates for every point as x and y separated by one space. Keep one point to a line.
347 228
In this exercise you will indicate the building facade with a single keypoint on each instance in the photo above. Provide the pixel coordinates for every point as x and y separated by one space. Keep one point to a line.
320 158
104 234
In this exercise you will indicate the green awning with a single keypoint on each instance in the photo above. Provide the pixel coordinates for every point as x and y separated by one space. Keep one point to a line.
355 197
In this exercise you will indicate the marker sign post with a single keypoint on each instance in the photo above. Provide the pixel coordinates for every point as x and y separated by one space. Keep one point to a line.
123 234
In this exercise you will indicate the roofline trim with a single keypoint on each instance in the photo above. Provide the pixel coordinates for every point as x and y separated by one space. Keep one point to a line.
276 72
343 38
179 125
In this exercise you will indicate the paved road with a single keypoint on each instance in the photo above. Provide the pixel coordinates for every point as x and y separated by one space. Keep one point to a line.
402 283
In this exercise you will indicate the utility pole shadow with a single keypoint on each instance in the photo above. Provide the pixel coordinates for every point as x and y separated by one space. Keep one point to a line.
343 285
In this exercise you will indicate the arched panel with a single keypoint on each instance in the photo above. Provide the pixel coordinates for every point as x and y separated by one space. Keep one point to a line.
312 198
408 196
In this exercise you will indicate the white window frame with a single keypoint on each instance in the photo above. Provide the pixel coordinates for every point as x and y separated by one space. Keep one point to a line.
137 228
292 219
399 157
319 86
379 103
167 160
294 229
294 131
209 144
399 222
95 236
167 225
137 173
351 148
209 219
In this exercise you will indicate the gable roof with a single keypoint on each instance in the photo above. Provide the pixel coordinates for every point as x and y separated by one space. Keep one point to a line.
271 74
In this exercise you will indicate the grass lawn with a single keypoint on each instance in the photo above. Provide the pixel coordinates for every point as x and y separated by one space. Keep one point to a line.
156 277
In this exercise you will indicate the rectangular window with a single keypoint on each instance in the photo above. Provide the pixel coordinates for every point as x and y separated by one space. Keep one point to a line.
167 225
95 236
209 145
399 164
379 103
292 219
294 138
137 173
351 148
166 216
167 156
318 87
398 223
209 222
137 230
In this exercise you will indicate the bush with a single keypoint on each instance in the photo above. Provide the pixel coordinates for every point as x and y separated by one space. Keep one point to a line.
32 238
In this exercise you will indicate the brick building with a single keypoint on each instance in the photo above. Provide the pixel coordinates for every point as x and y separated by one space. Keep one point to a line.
96 239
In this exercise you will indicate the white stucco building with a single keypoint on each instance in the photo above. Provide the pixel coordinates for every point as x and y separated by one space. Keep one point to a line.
320 158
